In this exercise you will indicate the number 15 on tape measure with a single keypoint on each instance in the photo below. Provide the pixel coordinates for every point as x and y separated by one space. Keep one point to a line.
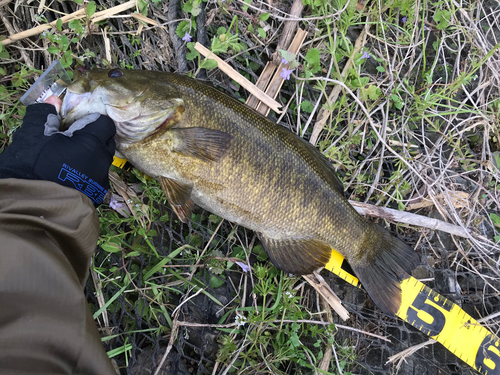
440 319
448 324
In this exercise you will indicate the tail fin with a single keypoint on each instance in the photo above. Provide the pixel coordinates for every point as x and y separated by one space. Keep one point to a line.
384 261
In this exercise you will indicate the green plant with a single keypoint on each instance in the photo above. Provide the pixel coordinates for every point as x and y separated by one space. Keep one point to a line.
280 331
496 221
62 44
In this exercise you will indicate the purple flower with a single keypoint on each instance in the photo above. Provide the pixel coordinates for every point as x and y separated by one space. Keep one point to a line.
187 37
243 266
365 55
283 61
285 74
114 204
404 19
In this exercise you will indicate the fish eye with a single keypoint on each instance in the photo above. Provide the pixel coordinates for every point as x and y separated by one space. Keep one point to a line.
115 73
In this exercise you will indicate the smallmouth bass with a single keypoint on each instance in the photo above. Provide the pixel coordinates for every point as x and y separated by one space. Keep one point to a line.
209 149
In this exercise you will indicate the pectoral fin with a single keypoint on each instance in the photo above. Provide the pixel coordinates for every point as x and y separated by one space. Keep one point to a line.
201 143
297 256
177 193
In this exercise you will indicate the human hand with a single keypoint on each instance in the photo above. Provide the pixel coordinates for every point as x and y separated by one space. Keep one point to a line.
78 158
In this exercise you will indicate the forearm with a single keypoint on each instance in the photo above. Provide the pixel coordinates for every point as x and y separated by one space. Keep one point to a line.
48 234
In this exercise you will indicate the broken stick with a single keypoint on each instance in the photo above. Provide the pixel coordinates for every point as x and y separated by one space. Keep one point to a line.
249 86
79 14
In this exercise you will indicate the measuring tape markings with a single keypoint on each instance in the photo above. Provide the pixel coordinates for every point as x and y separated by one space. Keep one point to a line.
337 265
440 319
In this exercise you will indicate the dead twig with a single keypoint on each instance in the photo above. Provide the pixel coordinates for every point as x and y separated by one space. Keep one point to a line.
330 349
409 218
79 14
320 285
173 336
277 81
288 30
400 357
249 86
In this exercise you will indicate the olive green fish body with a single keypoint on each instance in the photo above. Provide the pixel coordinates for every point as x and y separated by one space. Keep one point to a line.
234 162
266 181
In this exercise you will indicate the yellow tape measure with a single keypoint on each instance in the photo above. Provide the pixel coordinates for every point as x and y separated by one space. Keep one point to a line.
119 162
440 319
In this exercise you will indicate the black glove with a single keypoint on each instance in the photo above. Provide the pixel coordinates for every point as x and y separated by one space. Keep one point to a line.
78 158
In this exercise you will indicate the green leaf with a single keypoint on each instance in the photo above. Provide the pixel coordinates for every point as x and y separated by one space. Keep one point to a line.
64 43
443 17
111 248
188 6
143 7
214 219
59 24
312 57
373 92
73 24
381 69
216 282
109 302
209 64
4 55
182 28
264 16
196 9
90 9
53 50
261 32
245 7
294 340
495 219
192 54
261 253
78 1
307 106
162 263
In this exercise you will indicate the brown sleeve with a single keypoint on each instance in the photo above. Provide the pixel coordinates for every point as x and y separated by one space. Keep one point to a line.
48 234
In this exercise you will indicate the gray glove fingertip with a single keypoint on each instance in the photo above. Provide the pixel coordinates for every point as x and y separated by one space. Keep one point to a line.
52 125
81 123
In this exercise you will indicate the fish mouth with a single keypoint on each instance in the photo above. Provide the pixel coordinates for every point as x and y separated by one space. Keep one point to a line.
71 100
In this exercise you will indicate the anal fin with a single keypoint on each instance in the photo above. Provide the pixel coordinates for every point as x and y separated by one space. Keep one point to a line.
297 256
